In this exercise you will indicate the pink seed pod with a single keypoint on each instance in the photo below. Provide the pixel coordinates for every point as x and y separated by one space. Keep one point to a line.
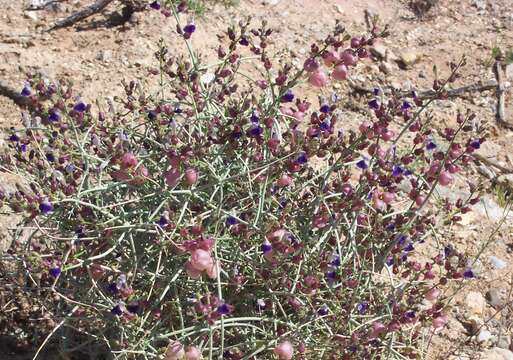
377 329
388 135
286 111
213 271
378 204
340 72
262 84
432 294
284 180
128 160
311 65
174 351
388 197
331 58
419 200
201 259
349 58
192 271
191 176
172 176
439 322
299 115
193 353
445 178
318 79
365 126
273 143
276 235
284 350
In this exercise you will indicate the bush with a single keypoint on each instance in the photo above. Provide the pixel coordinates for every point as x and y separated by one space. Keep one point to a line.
195 221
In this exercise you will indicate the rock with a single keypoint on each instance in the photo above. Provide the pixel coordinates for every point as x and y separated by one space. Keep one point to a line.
408 58
504 342
271 2
30 15
497 354
479 4
339 9
506 179
386 67
475 303
473 324
484 336
509 70
104 55
497 262
380 51
496 298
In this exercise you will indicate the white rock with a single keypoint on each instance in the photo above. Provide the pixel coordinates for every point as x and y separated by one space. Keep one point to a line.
207 78
497 263
475 303
483 336
30 15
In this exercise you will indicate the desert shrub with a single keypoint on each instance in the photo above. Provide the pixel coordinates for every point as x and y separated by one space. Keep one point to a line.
225 216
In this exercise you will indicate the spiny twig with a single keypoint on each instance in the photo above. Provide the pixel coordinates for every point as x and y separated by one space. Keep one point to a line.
500 92
429 94
92 9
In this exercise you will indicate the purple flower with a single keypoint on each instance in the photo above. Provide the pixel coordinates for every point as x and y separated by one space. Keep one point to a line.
26 91
80 107
323 310
266 247
50 157
14 138
255 131
468 274
409 247
335 261
55 271
288 96
155 5
410 315
401 240
189 28
396 171
133 308
302 158
54 115
331 276
113 288
163 221
407 172
224 309
255 119
324 126
374 104
244 41
116 310
389 261
404 256
376 91
325 108
430 146
405 106
475 144
231 221
362 164
45 207
23 147
362 308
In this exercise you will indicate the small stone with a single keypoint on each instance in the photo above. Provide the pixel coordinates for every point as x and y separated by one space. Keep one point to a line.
475 303
408 58
479 4
495 298
386 68
504 342
339 9
271 2
497 354
104 55
380 51
509 70
30 15
474 323
484 336
497 263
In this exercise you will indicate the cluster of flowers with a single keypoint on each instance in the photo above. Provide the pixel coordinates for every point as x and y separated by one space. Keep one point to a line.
219 179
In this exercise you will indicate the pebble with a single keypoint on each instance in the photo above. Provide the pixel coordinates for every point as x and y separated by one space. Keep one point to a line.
484 336
497 263
495 298
475 303
497 354
30 15
104 55
408 58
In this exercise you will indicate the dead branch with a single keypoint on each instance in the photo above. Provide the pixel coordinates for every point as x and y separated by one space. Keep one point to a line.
92 9
431 94
14 95
493 163
500 93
